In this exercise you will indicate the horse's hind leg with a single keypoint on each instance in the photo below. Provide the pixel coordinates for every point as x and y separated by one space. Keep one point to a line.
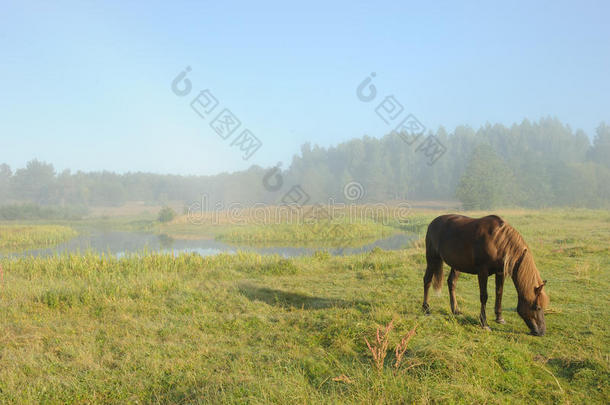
434 264
483 295
499 288
451 283
427 282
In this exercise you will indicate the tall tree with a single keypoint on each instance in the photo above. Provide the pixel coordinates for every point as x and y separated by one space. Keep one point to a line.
36 182
600 151
487 181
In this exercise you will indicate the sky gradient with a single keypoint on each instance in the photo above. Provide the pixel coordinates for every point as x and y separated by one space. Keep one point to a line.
88 86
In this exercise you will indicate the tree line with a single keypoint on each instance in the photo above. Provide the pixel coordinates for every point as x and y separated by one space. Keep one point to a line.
531 164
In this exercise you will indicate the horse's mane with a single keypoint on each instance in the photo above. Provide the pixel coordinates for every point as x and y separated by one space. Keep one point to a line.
518 262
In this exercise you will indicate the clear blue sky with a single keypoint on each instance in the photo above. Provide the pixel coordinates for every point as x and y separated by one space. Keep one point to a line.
87 86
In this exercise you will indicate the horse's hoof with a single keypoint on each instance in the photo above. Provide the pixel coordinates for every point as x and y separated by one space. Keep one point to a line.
501 320
457 312
487 328
426 309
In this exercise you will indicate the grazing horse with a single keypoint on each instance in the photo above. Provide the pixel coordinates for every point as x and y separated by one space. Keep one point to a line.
485 246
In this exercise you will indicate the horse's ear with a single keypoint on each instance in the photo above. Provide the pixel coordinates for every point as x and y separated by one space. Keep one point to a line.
538 289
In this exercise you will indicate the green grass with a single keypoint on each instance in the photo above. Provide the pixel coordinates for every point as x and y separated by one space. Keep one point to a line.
250 329
20 237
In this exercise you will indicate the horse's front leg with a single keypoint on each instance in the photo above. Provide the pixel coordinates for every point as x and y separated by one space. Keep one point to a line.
499 288
483 295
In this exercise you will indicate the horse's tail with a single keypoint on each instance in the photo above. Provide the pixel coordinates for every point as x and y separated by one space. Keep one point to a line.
437 275
434 268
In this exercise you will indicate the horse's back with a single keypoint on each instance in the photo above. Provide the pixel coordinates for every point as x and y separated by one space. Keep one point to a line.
462 241
464 224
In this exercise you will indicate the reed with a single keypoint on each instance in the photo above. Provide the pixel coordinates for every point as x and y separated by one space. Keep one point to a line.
19 237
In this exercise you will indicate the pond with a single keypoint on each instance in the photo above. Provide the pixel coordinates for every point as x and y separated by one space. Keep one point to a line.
120 243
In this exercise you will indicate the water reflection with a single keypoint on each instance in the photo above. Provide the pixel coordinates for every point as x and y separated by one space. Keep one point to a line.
120 243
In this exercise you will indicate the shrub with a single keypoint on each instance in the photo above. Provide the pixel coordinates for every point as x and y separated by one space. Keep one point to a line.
166 214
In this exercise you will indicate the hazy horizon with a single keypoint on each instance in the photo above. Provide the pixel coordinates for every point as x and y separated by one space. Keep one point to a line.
285 163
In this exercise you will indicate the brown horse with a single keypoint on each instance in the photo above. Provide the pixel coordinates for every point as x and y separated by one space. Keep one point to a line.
485 246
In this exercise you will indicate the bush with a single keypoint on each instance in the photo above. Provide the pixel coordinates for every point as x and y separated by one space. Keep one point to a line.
166 214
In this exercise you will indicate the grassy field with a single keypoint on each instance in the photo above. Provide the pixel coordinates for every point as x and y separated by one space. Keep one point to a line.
19 237
321 233
276 225
246 328
285 225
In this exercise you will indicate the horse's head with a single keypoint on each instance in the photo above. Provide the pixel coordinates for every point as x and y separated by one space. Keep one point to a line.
532 312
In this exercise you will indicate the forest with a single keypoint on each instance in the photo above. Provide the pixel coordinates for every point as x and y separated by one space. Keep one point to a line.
530 164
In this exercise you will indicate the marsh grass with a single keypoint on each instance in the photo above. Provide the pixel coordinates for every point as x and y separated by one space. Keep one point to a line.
339 226
20 237
324 234
246 328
